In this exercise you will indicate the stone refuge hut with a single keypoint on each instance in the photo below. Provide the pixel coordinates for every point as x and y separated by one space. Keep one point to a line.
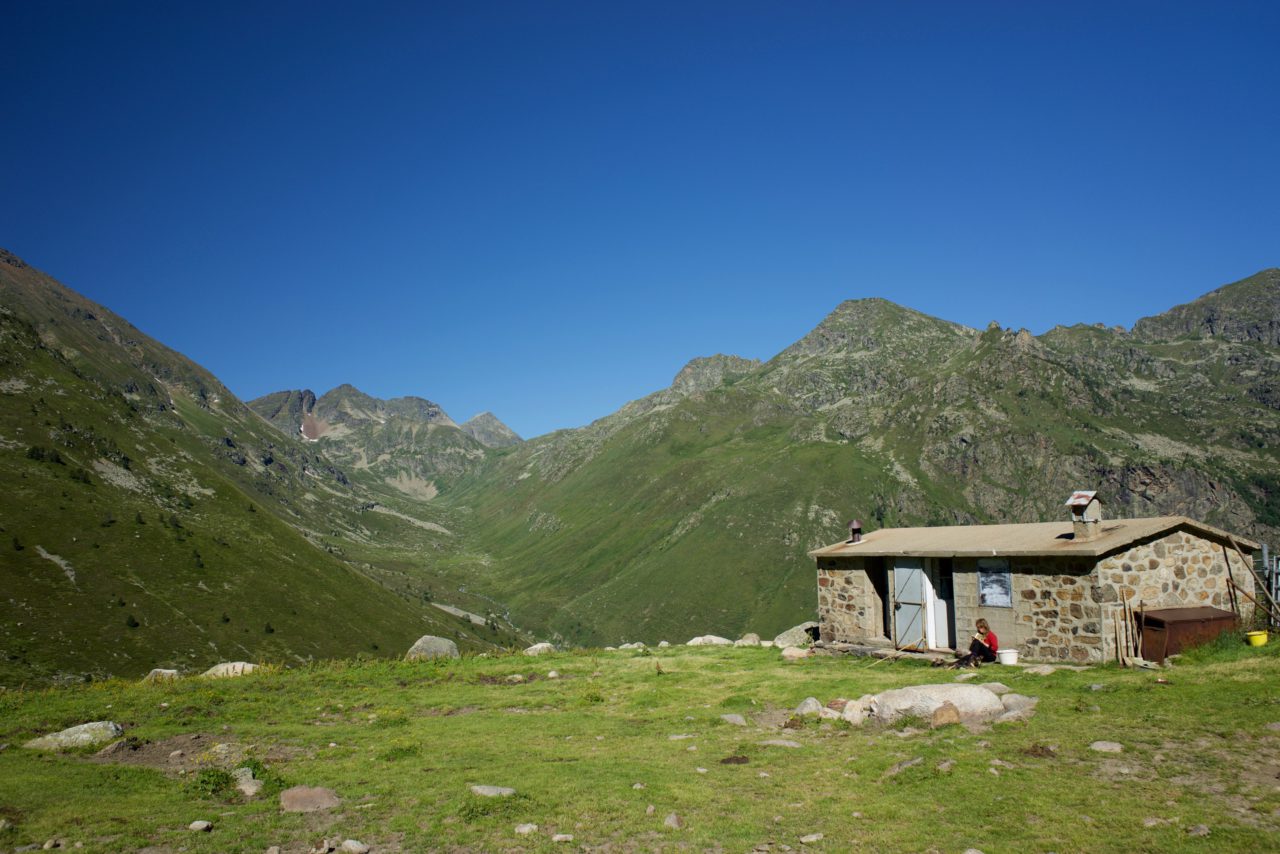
1052 590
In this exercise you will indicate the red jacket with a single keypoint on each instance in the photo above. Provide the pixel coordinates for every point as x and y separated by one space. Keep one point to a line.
992 641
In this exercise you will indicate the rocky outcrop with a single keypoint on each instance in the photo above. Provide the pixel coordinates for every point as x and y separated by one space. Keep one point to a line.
709 372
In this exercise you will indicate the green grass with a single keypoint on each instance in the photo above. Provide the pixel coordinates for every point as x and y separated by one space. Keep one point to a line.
401 743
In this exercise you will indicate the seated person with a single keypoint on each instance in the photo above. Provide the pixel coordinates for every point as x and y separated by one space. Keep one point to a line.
982 648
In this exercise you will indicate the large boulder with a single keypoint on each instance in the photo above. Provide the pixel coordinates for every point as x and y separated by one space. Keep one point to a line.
84 735
801 635
749 639
160 674
230 668
429 646
710 640
538 649
972 702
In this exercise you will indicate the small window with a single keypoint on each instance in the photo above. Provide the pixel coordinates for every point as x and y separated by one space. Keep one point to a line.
995 583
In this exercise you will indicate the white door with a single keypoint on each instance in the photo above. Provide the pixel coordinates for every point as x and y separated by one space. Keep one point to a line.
940 606
909 597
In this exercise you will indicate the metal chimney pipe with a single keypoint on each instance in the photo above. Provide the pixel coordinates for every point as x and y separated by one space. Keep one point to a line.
855 531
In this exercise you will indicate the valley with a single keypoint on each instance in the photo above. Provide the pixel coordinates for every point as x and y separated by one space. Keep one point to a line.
153 519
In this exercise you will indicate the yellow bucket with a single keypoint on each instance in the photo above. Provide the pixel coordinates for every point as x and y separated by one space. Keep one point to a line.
1256 638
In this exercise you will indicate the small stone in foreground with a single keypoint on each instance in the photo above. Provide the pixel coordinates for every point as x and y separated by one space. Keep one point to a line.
492 791
250 788
781 742
526 829
903 766
562 837
736 720
945 715
650 810
673 821
794 653
1198 830
808 707
353 846
201 826
308 799
811 838
1107 747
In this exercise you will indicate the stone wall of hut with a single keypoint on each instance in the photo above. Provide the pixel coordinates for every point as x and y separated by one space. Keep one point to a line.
1180 570
1052 616
848 608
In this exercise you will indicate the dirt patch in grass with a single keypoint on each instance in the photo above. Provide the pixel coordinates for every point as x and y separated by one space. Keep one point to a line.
187 752
448 712
487 679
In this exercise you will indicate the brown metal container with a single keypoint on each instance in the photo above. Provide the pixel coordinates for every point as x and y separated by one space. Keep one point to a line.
1171 630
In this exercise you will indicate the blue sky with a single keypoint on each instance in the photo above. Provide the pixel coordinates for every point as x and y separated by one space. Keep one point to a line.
545 209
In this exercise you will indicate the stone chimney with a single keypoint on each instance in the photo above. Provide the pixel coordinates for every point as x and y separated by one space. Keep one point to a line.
1086 515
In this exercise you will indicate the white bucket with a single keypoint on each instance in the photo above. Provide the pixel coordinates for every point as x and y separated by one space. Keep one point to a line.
1007 656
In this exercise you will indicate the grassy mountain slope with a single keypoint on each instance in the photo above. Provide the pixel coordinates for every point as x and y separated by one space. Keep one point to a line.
151 519
691 510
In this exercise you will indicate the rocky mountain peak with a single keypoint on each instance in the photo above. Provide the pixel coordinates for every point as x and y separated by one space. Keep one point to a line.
348 404
864 325
12 260
489 431
1247 310
707 372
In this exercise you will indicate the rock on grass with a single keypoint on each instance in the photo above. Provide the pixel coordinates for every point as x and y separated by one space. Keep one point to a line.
308 799
84 735
492 791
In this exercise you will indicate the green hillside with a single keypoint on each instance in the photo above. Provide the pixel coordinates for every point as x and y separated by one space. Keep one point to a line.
150 519
692 510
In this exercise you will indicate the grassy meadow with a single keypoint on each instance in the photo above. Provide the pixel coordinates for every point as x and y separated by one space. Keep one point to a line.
402 742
